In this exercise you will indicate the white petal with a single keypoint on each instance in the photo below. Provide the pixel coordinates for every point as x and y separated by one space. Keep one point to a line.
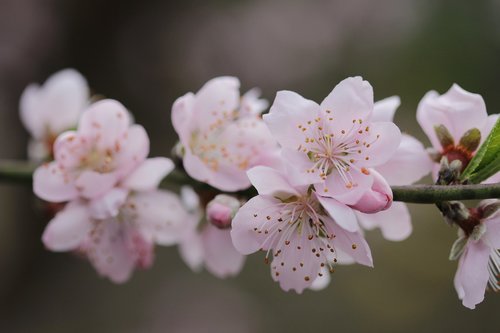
68 228
148 175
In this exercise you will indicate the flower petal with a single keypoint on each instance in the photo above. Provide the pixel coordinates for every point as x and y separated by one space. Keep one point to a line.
109 204
473 273
245 239
182 116
271 182
411 157
351 99
92 184
148 175
132 151
191 251
52 183
335 187
288 112
342 214
106 122
221 258
161 217
384 109
384 140
395 222
458 110
353 244
68 228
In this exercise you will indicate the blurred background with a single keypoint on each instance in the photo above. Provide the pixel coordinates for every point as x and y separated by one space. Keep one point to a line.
147 53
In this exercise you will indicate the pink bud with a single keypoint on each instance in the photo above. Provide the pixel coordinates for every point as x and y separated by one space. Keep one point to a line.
378 198
221 210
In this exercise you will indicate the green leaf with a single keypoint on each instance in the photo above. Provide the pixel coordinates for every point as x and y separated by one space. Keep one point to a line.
486 162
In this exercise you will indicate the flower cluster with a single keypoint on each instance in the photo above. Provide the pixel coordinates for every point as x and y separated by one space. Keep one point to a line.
323 175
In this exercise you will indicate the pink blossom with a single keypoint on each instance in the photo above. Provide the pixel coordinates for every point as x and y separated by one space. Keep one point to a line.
92 160
459 111
409 164
377 198
117 232
301 229
479 264
333 144
208 246
222 134
48 110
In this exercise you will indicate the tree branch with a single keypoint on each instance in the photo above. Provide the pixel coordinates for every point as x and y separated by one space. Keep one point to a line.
21 172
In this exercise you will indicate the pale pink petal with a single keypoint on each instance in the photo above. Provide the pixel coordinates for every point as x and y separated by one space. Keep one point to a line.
289 116
298 166
182 116
66 94
411 157
106 122
395 222
230 178
109 204
492 235
351 99
132 151
92 184
457 109
161 217
68 228
251 104
71 150
189 198
378 198
342 214
321 282
216 101
195 168
296 267
111 250
473 273
384 139
271 182
336 188
55 106
38 151
488 126
221 258
191 251
385 109
250 218
148 175
52 183
343 258
352 244
32 115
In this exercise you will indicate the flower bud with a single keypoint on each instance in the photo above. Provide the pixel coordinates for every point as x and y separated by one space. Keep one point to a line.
378 198
221 210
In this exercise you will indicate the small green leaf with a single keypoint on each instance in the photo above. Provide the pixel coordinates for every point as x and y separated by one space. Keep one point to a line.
486 162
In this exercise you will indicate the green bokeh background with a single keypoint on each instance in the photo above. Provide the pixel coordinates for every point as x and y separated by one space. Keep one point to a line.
146 54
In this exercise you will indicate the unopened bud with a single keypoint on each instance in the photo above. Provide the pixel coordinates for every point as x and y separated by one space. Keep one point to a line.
378 198
471 139
444 136
221 210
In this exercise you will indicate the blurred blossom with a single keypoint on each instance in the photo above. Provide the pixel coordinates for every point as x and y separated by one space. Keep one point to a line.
301 229
206 245
222 134
92 160
50 109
